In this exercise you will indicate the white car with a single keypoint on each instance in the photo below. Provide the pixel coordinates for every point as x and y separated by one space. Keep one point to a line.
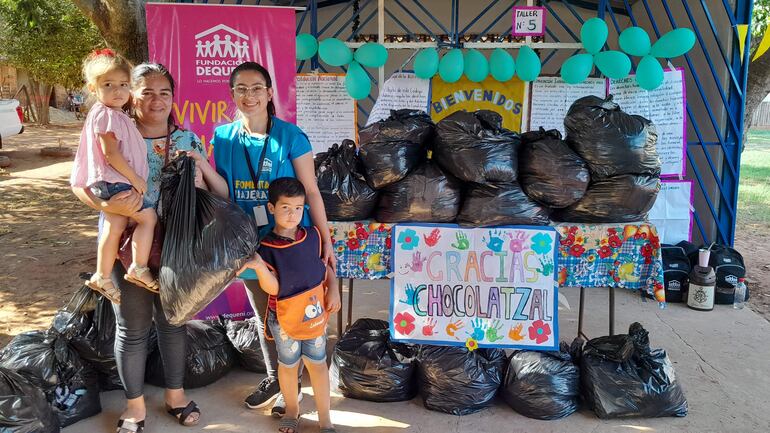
11 118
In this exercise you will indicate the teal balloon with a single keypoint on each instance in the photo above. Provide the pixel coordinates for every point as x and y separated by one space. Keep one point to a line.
357 81
334 52
674 43
476 66
501 65
371 54
426 63
649 73
613 64
635 41
527 64
307 46
593 35
451 66
577 68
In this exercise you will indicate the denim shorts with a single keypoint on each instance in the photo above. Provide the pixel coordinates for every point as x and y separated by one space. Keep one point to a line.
290 351
106 190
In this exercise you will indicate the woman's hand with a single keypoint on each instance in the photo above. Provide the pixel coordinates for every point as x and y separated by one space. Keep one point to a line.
140 185
125 203
328 256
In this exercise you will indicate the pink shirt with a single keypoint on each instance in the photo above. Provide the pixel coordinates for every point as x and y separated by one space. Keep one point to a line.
90 164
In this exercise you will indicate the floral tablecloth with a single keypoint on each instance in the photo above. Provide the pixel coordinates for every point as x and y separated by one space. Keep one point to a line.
590 255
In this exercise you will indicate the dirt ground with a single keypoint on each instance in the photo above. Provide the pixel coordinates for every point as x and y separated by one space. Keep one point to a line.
47 237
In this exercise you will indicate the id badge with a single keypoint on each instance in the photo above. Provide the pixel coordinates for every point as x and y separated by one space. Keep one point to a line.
260 215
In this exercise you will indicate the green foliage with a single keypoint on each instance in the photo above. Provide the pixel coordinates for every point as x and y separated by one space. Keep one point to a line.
760 19
48 38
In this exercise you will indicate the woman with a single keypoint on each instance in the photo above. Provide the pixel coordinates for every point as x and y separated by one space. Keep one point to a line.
153 91
249 153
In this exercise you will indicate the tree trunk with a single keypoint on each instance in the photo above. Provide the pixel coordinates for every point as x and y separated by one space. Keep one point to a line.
122 23
757 88
41 97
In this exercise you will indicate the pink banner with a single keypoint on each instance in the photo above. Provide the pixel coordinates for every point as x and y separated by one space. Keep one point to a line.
200 45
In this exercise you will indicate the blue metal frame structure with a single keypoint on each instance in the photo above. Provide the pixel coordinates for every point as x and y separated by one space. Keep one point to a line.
715 73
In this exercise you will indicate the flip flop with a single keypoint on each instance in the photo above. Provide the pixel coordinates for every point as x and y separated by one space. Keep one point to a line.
130 426
182 414
288 425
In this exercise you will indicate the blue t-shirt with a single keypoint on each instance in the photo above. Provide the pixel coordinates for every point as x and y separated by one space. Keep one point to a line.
285 143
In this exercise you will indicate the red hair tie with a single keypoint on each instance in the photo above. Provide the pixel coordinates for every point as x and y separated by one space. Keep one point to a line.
103 52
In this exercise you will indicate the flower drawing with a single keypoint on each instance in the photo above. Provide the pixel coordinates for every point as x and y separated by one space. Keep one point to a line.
539 331
541 243
408 239
471 344
403 323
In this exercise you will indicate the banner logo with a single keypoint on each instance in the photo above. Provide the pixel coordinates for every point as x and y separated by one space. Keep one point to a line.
219 50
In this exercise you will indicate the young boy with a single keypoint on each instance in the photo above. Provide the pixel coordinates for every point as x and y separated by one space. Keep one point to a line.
303 292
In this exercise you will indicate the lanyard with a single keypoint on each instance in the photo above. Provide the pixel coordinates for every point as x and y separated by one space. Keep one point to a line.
261 156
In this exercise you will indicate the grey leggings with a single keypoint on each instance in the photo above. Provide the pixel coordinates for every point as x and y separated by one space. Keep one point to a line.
258 299
134 318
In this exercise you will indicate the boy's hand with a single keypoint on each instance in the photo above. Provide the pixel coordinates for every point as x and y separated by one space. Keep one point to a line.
333 303
255 263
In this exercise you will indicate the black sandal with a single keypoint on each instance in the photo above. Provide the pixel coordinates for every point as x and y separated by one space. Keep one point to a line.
182 414
130 426
288 425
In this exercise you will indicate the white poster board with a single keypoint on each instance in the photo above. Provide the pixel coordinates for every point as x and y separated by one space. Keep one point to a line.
672 212
403 90
551 98
475 287
325 111
666 108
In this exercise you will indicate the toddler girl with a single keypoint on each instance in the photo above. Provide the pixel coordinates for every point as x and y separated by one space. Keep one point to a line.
112 158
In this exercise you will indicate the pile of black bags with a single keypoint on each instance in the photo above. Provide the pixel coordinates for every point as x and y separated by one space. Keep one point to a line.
470 170
620 150
23 406
542 385
367 365
623 377
48 361
208 239
394 147
340 174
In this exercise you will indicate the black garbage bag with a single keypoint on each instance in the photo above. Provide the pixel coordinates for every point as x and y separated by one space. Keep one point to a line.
474 147
341 180
500 204
207 240
209 356
542 385
96 342
622 377
611 141
457 381
425 195
367 365
48 360
550 172
23 406
394 147
624 198
244 337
